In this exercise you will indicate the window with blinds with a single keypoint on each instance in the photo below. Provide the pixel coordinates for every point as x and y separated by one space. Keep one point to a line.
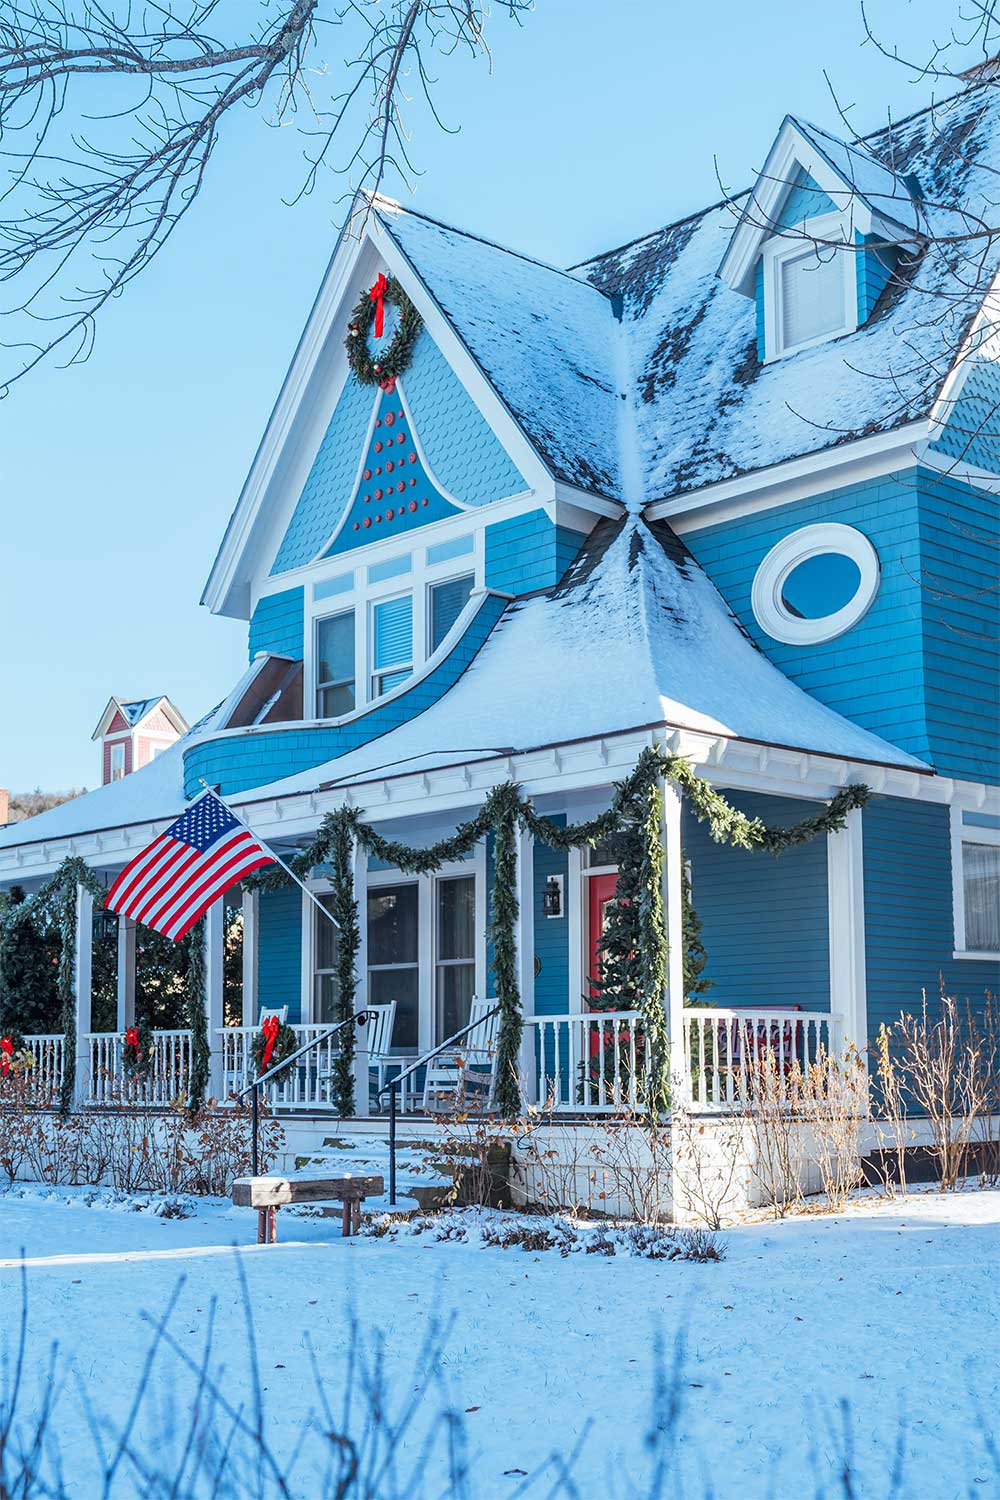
447 600
812 296
981 885
335 665
392 643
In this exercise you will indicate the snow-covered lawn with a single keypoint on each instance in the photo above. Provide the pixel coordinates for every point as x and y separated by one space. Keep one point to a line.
891 1308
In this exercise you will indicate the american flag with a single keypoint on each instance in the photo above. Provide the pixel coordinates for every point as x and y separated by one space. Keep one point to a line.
177 877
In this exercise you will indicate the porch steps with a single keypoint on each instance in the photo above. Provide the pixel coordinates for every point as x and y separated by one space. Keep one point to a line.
423 1180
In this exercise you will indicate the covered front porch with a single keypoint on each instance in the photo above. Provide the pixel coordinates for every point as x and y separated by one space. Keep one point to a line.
783 941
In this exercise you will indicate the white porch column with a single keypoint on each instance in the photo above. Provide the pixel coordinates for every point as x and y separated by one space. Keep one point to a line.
846 887
82 971
251 918
214 1015
673 917
524 938
362 1103
126 973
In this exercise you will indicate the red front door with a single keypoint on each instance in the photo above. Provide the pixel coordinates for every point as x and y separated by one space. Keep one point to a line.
602 893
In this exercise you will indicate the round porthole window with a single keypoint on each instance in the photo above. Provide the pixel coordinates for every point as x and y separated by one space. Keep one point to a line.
815 584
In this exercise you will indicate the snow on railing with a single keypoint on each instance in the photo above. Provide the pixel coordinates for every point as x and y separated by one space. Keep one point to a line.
589 1063
304 1085
730 1054
164 1083
48 1061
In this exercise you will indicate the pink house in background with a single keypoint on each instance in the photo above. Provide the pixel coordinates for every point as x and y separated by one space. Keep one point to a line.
133 733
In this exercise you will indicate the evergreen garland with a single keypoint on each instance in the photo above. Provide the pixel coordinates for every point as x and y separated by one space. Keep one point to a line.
503 926
195 1017
345 913
394 362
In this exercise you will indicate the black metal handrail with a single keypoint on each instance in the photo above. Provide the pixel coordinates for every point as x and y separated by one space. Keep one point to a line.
393 1084
360 1018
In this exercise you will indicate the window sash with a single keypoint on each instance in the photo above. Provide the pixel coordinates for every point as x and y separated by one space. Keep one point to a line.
447 600
392 642
334 656
981 896
812 296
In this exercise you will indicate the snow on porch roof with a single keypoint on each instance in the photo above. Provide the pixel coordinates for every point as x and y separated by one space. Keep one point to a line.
636 635
544 339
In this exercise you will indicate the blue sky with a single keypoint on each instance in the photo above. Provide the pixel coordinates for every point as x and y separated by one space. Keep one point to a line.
600 121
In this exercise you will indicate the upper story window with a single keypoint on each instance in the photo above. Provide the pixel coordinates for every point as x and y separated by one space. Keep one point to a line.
815 583
334 657
392 643
118 761
808 287
447 600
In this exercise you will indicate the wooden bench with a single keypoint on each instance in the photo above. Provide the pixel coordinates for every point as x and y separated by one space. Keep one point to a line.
267 1194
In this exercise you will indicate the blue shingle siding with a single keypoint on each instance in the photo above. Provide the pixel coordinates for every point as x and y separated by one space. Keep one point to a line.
874 266
460 445
279 951
327 489
972 431
551 935
239 761
872 673
276 625
805 200
761 316
765 920
909 931
959 532
528 552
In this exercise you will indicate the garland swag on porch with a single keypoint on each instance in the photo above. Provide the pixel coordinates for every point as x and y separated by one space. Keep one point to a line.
636 805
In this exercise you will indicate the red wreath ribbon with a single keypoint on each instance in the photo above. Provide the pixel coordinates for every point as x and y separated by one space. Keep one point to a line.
6 1053
270 1027
377 295
132 1038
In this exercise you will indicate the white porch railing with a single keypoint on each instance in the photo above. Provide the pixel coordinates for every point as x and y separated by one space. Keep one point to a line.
588 1063
724 1049
48 1061
305 1085
165 1081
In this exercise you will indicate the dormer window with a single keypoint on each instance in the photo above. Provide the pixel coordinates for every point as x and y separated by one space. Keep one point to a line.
809 289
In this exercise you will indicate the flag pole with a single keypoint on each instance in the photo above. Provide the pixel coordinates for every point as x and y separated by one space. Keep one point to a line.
277 858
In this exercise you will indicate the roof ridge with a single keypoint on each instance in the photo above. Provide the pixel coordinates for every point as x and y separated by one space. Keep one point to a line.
733 197
483 239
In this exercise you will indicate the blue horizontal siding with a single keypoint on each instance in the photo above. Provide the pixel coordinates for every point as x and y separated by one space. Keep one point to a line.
235 762
279 950
765 920
909 924
552 995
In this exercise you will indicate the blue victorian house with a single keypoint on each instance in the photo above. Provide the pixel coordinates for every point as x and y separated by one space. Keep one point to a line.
729 490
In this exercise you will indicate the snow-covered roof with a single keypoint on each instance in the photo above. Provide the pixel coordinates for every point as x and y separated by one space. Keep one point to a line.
707 410
660 646
543 338
875 181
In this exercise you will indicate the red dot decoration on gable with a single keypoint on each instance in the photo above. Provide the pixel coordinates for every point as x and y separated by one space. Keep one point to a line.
389 513
357 525
378 447
378 494
389 467
367 522
390 417
400 487
412 458
413 484
413 505
423 502
367 474
400 437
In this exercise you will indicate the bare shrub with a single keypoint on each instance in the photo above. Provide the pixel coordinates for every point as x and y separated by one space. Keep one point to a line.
893 1131
709 1162
475 1150
834 1102
771 1093
701 1245
548 1160
634 1153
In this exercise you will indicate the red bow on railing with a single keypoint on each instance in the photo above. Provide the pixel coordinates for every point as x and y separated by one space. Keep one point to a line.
6 1053
132 1037
377 295
270 1027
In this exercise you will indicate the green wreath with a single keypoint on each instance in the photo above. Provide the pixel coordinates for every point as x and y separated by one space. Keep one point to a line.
137 1051
386 370
285 1043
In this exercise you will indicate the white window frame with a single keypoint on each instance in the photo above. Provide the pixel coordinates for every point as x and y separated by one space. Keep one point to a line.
788 246
117 745
966 833
364 594
770 611
316 686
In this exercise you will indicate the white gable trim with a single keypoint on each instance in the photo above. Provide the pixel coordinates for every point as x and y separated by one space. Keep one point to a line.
308 398
791 150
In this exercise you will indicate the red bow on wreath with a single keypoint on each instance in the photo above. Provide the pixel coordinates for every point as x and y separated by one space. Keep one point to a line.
377 295
132 1038
270 1027
6 1053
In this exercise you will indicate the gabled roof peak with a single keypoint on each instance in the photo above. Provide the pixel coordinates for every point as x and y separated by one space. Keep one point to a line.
851 176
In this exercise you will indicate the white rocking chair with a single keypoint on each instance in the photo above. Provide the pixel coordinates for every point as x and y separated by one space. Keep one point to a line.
381 1057
452 1076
